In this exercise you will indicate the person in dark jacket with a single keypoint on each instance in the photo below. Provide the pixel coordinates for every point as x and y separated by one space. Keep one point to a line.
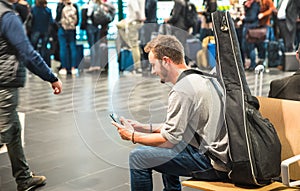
288 87
150 26
177 20
41 23
16 53
249 21
288 10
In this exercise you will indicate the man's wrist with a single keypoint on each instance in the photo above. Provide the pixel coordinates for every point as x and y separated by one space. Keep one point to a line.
132 137
55 79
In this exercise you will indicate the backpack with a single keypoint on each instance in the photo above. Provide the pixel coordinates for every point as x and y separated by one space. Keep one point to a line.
102 14
69 17
275 50
191 15
254 146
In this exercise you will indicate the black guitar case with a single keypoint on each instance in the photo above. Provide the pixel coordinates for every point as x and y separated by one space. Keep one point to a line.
255 149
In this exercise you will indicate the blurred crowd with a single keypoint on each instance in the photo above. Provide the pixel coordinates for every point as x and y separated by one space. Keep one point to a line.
279 27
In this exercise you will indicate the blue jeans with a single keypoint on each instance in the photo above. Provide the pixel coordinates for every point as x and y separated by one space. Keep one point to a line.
67 45
249 49
93 36
43 38
181 160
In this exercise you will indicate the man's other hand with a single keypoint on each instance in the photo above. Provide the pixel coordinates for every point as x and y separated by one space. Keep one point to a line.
57 87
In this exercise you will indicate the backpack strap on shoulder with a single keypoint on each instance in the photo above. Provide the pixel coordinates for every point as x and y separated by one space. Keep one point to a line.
195 71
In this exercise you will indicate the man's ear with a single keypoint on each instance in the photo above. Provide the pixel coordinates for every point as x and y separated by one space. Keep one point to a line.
166 60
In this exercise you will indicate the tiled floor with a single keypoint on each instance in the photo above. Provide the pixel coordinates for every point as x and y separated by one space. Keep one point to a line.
69 138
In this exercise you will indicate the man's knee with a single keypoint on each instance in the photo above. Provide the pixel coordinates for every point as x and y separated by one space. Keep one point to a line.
137 159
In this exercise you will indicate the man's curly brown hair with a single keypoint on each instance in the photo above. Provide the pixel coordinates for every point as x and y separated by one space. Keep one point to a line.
166 45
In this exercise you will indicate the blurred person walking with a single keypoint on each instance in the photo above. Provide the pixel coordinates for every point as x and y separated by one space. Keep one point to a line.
288 11
67 18
16 54
250 20
237 13
41 23
150 26
96 34
177 20
266 10
129 30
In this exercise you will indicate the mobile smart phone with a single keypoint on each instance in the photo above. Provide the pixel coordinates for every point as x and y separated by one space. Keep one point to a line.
115 118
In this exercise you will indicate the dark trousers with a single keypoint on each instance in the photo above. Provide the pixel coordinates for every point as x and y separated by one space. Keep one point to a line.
10 133
288 36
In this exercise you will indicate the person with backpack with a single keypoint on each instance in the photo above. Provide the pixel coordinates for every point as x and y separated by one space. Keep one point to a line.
99 15
192 141
67 18
16 55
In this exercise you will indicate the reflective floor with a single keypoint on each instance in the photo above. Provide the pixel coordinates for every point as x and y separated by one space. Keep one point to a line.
69 138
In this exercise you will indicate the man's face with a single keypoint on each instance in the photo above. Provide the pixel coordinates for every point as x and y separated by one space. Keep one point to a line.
157 68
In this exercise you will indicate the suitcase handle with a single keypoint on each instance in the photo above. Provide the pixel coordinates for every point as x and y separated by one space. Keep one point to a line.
259 70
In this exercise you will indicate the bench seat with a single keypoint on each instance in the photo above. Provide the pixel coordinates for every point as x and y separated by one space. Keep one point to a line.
284 115
223 186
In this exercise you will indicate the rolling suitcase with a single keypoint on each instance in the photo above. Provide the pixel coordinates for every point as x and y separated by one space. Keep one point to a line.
291 63
193 46
125 60
254 146
211 54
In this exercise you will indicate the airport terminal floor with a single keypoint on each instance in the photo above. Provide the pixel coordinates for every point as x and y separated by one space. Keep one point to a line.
69 137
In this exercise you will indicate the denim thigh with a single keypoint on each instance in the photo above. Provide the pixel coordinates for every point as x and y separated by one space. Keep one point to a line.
181 160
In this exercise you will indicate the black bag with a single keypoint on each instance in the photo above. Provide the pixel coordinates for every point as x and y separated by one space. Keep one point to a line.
103 14
275 54
191 15
83 19
255 149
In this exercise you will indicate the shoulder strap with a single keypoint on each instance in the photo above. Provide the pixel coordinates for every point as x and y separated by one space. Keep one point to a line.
193 71
197 137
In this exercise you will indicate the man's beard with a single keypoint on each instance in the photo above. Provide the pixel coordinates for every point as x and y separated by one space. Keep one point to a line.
164 74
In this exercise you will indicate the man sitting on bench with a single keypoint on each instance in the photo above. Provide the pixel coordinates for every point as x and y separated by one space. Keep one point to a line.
288 87
192 141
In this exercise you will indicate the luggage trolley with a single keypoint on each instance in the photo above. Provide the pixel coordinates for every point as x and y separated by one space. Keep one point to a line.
259 71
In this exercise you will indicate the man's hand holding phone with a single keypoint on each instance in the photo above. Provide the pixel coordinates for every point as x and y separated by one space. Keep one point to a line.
125 129
115 118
